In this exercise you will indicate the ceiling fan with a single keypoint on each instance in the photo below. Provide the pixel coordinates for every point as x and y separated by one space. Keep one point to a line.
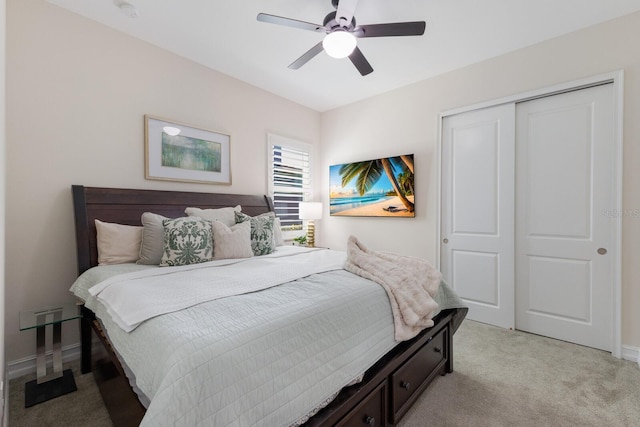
341 32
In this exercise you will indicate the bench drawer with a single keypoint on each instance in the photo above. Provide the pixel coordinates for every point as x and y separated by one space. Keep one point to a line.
409 380
371 412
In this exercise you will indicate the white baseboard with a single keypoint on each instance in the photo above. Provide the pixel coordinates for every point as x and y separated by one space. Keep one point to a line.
27 365
631 353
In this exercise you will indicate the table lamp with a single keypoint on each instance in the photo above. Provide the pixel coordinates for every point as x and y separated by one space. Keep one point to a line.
310 211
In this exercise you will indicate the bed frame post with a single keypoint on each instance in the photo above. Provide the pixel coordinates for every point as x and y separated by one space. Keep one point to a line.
82 226
85 339
84 263
449 346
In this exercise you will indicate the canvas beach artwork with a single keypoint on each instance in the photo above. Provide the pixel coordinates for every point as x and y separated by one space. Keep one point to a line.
380 187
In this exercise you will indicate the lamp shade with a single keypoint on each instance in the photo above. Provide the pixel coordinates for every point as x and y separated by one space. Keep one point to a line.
339 44
310 210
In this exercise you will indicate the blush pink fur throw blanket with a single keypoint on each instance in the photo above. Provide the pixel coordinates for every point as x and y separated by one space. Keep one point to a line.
410 283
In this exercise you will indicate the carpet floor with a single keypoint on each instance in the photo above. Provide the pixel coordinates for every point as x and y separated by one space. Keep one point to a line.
501 378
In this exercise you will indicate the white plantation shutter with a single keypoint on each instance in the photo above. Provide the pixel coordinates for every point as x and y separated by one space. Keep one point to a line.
289 178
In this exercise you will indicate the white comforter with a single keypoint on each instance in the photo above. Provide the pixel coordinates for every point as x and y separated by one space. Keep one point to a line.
168 289
263 358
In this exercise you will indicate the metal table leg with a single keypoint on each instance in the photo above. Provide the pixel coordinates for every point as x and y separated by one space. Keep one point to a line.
58 382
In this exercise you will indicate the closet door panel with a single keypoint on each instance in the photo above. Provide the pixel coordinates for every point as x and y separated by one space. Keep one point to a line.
478 211
564 176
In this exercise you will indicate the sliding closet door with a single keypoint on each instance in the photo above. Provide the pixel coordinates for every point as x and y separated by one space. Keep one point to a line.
477 228
564 182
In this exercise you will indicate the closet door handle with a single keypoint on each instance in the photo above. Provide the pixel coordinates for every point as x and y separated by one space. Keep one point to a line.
602 251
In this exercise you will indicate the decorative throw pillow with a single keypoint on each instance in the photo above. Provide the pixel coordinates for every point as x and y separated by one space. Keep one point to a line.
224 215
262 242
278 239
186 241
234 242
117 243
152 239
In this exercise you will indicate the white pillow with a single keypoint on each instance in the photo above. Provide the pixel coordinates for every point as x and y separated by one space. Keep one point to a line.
117 243
224 215
277 233
231 242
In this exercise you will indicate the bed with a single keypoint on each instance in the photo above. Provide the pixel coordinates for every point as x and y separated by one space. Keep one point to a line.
348 372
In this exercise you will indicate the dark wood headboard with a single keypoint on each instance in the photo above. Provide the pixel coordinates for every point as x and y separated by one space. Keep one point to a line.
124 206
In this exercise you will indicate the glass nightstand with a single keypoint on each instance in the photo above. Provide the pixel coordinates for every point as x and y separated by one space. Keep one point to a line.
58 382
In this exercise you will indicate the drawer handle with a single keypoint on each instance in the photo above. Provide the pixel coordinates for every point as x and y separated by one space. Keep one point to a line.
370 421
405 385
438 350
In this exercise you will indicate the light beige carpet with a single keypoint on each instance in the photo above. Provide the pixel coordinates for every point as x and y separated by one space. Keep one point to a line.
83 407
511 378
501 378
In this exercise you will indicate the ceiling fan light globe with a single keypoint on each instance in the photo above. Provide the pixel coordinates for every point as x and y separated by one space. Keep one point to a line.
339 44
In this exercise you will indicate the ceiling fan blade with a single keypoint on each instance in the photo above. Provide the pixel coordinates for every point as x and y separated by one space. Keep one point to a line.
393 29
361 63
306 57
345 11
273 19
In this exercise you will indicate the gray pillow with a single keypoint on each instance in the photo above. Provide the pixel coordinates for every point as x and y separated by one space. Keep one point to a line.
262 238
187 240
152 239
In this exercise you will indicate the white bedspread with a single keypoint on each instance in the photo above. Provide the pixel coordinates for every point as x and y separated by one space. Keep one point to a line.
170 289
264 358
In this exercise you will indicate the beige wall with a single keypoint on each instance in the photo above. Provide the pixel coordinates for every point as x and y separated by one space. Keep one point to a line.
77 92
406 120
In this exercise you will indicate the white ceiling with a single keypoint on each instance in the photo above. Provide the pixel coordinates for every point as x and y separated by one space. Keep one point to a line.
225 36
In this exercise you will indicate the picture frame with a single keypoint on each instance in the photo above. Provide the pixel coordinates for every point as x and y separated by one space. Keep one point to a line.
382 187
180 152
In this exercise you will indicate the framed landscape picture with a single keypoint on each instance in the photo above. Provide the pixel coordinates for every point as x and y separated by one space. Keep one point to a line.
379 187
179 152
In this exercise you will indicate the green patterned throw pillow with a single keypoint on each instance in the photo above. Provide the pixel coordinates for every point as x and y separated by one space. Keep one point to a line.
186 241
262 239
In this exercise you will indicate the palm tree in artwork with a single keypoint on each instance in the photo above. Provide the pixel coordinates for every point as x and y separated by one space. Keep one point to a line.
405 179
369 172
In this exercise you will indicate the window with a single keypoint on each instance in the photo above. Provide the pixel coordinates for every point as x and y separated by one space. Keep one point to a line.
289 180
